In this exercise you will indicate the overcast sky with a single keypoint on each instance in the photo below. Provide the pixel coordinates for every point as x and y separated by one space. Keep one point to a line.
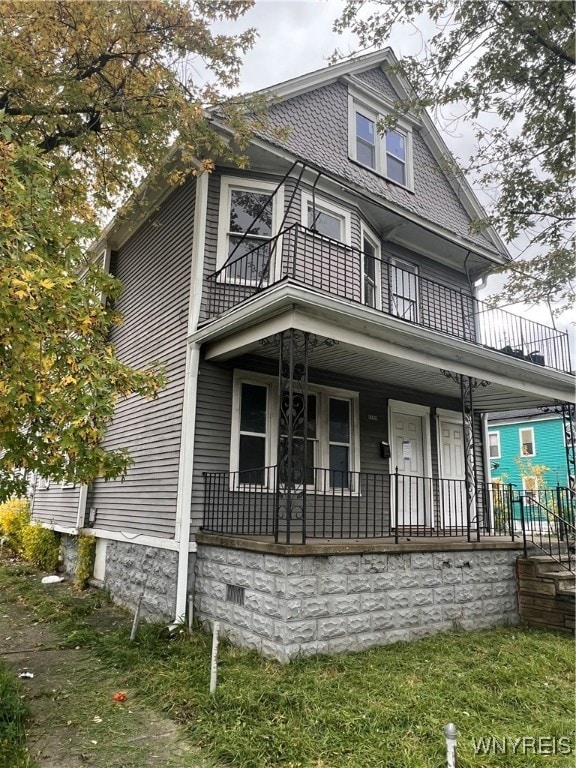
295 37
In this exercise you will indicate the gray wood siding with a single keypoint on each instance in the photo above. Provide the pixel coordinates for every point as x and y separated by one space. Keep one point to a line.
213 438
154 267
56 505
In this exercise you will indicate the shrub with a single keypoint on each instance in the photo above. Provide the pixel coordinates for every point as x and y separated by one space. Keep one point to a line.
14 518
85 560
41 547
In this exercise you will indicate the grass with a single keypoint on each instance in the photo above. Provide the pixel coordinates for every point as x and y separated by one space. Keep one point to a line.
13 715
384 708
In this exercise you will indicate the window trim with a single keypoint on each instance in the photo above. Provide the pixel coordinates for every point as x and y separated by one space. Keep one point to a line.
377 112
329 207
522 454
526 492
367 233
323 395
499 446
228 184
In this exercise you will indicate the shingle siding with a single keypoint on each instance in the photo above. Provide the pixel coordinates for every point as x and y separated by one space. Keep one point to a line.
318 123
154 267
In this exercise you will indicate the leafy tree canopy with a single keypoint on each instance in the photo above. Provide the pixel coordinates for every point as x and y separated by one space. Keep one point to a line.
513 60
91 96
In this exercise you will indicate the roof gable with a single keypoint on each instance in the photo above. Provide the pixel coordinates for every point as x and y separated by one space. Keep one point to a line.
315 106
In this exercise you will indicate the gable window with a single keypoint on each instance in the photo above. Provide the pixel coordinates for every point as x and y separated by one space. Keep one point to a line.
248 220
494 445
325 218
527 446
365 140
404 290
332 450
371 282
388 153
396 156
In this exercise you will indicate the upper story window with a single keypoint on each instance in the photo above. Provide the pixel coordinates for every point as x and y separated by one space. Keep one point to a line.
249 220
494 445
404 290
527 446
371 269
390 153
325 217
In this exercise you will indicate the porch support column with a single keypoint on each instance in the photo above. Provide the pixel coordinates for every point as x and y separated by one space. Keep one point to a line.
293 354
466 395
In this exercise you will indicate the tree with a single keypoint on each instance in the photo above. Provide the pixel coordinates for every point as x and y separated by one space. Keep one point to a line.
514 60
92 94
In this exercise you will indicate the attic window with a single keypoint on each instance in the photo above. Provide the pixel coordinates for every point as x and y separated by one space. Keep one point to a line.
388 154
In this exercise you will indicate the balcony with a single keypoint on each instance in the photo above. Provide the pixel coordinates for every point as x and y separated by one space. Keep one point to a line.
328 266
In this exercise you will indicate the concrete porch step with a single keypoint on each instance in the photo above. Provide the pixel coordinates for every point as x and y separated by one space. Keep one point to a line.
548 564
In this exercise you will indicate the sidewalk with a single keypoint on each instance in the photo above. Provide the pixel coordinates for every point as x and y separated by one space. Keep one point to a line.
75 720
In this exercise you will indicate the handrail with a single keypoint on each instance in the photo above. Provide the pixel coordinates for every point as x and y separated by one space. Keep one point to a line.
546 537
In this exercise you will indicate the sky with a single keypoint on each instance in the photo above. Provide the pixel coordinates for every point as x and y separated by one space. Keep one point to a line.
295 37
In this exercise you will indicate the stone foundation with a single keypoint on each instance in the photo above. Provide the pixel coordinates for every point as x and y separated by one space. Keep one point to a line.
286 606
130 570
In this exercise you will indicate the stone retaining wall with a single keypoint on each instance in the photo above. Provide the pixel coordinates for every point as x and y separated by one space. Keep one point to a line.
308 605
545 601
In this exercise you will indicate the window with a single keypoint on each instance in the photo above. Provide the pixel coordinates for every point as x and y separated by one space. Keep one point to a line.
388 153
527 447
331 433
248 221
371 284
404 290
494 444
325 218
252 442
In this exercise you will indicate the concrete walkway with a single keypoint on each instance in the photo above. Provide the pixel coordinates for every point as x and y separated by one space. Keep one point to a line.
75 720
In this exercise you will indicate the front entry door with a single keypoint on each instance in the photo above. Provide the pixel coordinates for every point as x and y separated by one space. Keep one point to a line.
453 474
408 455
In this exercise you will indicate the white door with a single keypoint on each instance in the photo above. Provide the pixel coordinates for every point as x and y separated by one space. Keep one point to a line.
408 455
452 473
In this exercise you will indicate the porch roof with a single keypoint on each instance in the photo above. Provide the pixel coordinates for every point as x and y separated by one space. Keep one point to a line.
381 348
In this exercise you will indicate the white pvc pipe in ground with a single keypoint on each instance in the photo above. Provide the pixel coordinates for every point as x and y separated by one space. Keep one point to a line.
451 735
214 661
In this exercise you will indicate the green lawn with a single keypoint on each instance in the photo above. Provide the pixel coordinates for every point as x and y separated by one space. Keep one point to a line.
384 708
13 714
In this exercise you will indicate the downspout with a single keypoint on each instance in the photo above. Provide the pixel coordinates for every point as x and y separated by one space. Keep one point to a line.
186 463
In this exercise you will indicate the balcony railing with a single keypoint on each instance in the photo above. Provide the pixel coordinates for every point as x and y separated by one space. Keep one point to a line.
361 505
331 267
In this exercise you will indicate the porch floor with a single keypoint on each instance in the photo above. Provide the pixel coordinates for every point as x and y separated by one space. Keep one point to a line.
324 547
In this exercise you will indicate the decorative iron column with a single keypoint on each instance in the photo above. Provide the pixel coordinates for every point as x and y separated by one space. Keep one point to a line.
467 386
292 430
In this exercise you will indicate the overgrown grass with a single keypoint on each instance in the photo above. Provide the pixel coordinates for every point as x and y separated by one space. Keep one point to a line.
13 714
384 708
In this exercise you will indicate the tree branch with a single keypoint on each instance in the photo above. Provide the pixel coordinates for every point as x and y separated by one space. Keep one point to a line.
549 45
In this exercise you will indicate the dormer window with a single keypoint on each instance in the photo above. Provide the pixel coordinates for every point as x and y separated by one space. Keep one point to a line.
390 154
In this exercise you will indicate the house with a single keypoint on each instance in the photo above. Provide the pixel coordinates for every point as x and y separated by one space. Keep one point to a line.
533 451
314 475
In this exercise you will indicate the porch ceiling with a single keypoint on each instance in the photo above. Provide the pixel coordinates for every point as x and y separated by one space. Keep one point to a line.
382 349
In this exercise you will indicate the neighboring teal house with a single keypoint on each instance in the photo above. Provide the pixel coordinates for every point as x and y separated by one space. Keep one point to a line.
527 448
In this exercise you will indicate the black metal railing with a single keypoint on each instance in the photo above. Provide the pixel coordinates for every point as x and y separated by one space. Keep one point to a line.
548 522
353 505
331 267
